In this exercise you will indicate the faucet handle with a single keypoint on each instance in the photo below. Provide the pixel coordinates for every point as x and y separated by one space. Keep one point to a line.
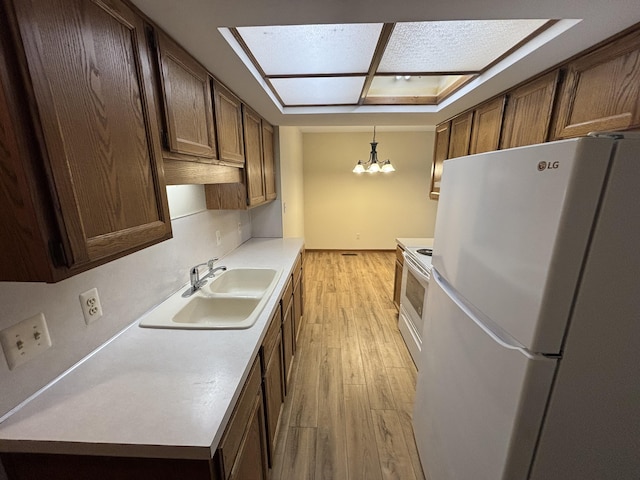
211 262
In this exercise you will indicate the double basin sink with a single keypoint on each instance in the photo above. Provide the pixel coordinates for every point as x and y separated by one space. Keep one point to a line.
233 299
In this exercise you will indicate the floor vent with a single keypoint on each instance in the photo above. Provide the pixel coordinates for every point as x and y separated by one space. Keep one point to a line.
349 254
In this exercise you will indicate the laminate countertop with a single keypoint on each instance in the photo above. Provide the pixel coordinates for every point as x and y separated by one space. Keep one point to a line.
414 242
161 393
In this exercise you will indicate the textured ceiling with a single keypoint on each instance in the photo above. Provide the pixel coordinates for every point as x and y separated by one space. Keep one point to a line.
195 23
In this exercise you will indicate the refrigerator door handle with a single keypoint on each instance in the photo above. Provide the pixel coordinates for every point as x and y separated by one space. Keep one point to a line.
472 315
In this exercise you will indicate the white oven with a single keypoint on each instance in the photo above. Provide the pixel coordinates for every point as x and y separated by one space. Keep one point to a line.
413 299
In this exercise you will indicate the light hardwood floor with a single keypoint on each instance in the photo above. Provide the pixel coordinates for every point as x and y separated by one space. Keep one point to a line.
349 413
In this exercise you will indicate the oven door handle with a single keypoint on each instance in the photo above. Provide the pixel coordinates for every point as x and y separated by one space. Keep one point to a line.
416 268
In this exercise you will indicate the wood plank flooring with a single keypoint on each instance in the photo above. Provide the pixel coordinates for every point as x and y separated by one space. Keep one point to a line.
349 414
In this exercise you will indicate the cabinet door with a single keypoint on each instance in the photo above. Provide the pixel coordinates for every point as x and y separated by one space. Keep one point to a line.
228 110
24 240
288 344
460 136
188 108
297 309
254 171
273 393
601 91
440 154
91 78
397 281
487 124
251 462
269 161
528 112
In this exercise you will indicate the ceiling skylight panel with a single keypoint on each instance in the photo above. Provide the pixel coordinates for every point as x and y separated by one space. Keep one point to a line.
452 46
312 49
319 90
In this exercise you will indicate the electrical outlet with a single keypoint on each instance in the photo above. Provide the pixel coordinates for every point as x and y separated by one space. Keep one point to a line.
239 228
218 237
91 308
25 340
357 236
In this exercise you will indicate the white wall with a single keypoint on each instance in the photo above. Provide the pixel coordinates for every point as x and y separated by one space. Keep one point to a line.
291 182
340 205
128 287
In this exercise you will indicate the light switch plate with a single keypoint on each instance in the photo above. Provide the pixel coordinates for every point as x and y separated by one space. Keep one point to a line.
25 340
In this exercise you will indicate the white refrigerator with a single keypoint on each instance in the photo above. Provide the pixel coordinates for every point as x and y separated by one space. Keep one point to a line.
530 365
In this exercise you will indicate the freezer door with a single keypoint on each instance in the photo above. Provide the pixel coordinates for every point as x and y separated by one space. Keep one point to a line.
512 229
478 405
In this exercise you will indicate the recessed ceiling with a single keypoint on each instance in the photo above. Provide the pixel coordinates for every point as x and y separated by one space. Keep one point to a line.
406 63
195 24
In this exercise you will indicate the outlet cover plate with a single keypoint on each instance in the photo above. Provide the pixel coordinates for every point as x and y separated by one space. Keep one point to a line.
25 340
91 307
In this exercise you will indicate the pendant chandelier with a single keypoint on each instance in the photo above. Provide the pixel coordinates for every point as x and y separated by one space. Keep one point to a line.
372 165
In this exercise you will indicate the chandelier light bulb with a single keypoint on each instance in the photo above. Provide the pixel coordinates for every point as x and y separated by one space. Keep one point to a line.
372 165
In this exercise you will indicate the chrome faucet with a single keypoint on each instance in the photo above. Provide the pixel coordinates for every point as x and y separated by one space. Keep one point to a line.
194 276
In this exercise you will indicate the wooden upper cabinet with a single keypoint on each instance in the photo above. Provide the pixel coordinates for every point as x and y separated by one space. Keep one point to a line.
601 91
440 154
269 161
487 124
528 112
188 108
89 81
254 167
460 136
228 111
258 185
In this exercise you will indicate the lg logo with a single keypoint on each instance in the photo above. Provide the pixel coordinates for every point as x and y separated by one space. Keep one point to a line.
542 166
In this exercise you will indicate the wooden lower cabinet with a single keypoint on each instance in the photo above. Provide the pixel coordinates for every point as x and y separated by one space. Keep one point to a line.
297 308
397 281
244 441
288 344
250 463
35 466
272 379
297 297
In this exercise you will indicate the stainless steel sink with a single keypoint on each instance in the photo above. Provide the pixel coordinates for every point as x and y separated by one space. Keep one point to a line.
232 300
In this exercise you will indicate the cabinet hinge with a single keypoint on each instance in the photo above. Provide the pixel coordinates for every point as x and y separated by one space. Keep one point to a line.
58 256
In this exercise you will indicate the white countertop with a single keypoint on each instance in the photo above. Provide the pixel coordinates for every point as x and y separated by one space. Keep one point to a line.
415 242
152 392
